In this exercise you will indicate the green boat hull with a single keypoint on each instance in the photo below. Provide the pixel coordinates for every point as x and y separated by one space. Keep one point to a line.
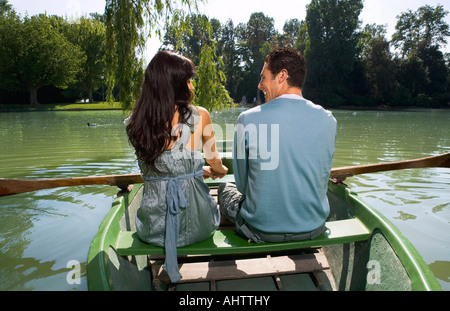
381 258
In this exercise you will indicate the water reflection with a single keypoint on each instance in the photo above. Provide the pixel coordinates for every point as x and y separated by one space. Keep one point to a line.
442 270
17 273
405 216
51 144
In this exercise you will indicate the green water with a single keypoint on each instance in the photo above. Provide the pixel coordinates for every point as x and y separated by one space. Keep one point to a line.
42 232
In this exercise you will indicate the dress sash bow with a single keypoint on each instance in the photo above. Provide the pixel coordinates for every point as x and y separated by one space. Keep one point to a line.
176 202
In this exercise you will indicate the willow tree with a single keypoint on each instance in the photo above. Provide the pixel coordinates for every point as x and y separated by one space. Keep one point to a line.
210 90
190 43
198 44
129 23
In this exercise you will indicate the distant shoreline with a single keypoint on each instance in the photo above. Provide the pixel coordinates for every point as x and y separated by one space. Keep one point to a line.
62 107
77 107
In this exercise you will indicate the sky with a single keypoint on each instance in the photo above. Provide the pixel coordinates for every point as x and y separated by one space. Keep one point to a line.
380 12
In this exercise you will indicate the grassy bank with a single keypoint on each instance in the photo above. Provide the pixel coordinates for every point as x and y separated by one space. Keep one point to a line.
62 107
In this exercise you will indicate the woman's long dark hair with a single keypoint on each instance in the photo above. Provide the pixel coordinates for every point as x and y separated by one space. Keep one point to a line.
164 90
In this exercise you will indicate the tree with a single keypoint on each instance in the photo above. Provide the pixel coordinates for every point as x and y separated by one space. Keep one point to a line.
366 35
127 22
292 28
302 38
210 91
199 44
412 76
246 87
34 53
90 36
331 49
434 63
5 7
191 41
419 36
259 30
231 58
380 70
425 27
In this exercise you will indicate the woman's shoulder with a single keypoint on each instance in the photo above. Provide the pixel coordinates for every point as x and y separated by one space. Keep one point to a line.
201 110
204 113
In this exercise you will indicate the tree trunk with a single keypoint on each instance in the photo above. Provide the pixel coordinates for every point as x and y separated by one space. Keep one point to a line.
33 95
91 98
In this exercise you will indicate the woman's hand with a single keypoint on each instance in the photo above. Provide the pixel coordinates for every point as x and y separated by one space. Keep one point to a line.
208 172
220 174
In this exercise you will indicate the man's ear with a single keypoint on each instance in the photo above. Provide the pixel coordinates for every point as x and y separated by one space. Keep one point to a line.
283 76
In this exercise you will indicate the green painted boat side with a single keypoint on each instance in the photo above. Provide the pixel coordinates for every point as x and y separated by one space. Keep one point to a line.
422 278
99 275
350 259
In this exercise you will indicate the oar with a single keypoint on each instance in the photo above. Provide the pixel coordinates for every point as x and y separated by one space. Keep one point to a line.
341 173
16 186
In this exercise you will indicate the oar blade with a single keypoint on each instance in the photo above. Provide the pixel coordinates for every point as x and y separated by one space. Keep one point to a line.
16 186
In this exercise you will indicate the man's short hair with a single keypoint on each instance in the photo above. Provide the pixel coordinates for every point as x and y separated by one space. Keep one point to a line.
291 60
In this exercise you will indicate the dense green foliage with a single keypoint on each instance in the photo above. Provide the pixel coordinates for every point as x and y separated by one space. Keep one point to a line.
348 64
33 54
89 35
49 52
198 43
210 90
127 23
331 49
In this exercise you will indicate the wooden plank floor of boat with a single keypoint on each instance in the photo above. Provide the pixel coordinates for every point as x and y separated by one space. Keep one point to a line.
306 269
295 270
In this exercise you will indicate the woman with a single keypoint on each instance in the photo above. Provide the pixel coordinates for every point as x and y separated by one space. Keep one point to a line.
168 135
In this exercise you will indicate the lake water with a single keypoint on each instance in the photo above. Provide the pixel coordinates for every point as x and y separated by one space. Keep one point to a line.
44 233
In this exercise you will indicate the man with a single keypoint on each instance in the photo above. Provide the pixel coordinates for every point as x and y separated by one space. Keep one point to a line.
283 153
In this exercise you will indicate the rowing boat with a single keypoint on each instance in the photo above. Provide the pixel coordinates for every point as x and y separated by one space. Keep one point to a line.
361 250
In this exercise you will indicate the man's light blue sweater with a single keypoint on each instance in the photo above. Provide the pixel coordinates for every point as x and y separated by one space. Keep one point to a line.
283 153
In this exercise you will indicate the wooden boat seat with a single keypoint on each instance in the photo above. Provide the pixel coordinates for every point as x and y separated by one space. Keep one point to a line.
225 242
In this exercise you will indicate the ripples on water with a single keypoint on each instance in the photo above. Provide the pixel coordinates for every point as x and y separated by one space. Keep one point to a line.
44 230
417 201
65 148
41 232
